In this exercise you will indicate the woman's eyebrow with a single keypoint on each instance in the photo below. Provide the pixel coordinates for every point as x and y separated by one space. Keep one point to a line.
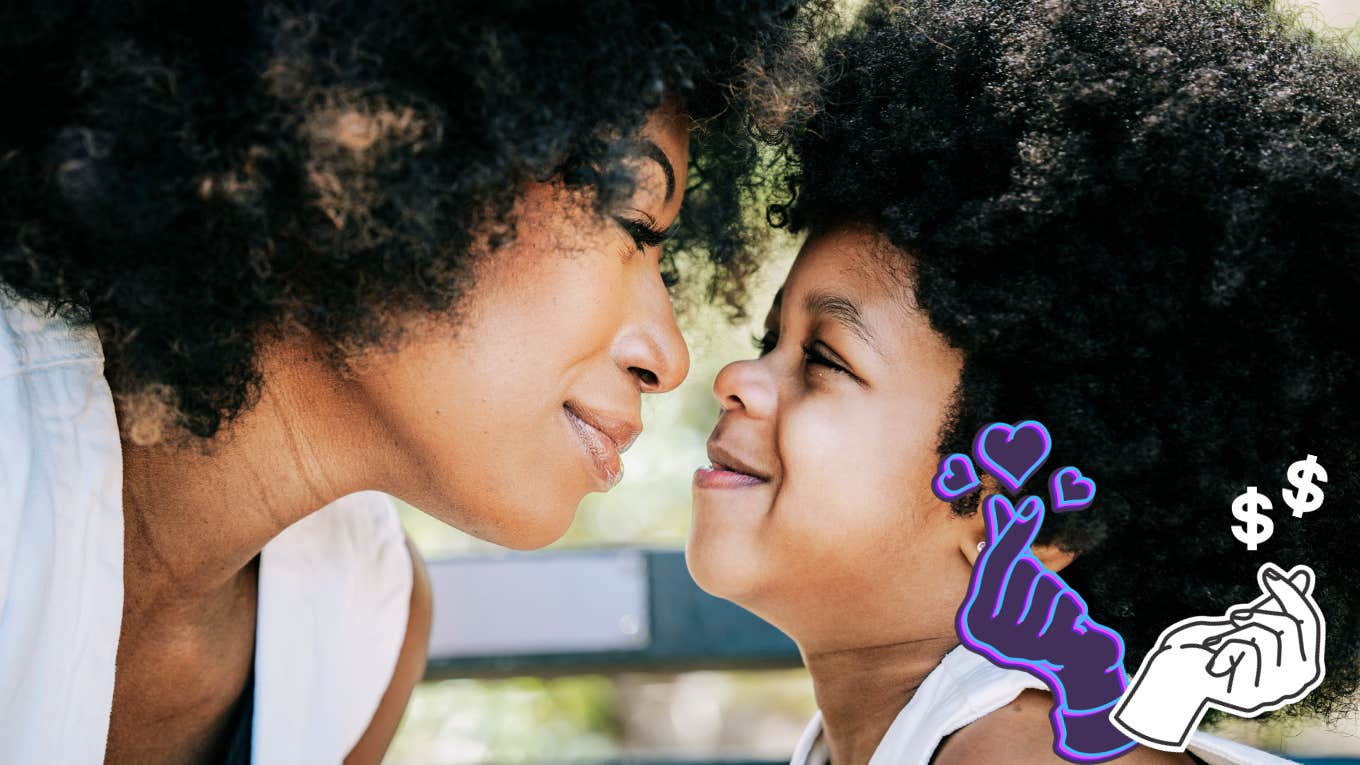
653 151
844 311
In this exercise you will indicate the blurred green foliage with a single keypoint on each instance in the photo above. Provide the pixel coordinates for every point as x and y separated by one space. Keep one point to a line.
519 720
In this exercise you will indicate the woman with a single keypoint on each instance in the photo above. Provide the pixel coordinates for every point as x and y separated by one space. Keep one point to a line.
260 262
1134 222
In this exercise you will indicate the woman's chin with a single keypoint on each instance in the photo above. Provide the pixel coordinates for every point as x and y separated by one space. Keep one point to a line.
536 528
516 524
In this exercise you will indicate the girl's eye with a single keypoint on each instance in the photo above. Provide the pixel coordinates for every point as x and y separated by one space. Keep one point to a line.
766 342
670 274
813 356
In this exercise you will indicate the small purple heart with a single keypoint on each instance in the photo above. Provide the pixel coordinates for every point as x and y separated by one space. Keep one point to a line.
1012 453
957 477
1070 490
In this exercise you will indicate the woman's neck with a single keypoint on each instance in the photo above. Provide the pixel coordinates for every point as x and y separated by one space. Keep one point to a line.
193 521
861 690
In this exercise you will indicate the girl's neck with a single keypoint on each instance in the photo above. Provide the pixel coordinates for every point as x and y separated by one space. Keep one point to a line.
861 690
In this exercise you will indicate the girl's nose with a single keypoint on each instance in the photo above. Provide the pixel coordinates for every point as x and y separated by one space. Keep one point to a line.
746 385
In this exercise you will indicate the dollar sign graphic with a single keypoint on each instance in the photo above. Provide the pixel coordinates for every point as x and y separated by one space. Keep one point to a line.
1308 497
1246 508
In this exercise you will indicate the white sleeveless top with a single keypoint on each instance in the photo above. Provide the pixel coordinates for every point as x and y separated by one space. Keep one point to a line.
334 588
963 688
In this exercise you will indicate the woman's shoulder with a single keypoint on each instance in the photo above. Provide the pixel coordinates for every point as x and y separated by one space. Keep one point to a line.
1020 732
61 537
33 339
348 561
334 614
362 524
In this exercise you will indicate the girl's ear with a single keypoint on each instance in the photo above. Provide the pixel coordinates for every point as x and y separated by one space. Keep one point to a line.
1053 557
973 530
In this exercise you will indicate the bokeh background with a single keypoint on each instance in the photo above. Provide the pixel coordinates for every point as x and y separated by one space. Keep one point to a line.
695 715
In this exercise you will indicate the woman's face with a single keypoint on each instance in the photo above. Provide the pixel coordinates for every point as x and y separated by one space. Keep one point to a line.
817 511
503 423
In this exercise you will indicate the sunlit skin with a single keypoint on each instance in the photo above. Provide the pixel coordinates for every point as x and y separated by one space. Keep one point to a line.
817 513
466 420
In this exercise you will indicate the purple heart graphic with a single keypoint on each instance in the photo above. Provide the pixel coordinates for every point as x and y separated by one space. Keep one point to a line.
1012 453
957 477
1070 490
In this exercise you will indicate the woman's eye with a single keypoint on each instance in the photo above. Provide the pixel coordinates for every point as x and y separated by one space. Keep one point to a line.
645 233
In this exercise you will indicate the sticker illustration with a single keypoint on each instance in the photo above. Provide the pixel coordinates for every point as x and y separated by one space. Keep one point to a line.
1257 657
1021 615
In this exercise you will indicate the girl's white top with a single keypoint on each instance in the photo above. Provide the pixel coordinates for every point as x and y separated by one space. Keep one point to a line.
963 688
334 588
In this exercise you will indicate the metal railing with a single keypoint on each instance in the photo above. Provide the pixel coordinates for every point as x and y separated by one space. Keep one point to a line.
598 611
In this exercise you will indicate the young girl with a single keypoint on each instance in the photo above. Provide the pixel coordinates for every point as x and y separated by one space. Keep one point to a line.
1134 222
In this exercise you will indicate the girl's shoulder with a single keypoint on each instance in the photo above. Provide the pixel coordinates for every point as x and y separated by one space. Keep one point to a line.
1020 732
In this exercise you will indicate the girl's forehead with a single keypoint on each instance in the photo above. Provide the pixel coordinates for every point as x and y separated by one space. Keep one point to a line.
853 262
856 279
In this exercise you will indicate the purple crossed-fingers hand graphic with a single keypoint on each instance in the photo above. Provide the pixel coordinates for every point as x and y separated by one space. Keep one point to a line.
1021 615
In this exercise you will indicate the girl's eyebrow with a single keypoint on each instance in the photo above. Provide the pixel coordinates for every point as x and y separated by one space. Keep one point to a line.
773 313
844 311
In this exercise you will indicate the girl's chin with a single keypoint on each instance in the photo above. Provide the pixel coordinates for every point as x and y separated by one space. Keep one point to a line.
741 502
721 568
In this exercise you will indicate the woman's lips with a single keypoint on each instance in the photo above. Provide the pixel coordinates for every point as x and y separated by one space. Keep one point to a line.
599 448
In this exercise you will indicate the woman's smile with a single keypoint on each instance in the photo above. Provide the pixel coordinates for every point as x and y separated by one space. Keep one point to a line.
603 441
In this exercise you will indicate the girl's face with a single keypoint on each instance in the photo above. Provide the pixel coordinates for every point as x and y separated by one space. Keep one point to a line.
817 511
501 424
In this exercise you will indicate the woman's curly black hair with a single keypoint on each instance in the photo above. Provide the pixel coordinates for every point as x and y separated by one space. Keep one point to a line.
1139 220
193 179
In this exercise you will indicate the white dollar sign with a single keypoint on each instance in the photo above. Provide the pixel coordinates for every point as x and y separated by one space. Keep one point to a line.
1309 496
1246 508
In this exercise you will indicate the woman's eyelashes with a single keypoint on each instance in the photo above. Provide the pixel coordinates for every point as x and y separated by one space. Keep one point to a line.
645 234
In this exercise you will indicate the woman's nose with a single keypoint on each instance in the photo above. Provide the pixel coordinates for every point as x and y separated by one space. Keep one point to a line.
746 386
654 352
